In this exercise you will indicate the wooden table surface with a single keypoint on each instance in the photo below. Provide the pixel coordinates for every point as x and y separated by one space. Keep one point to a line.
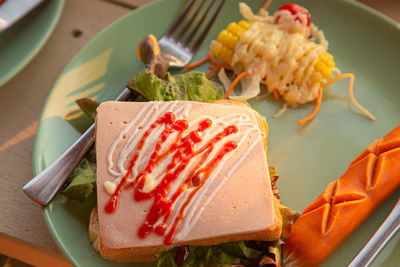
23 232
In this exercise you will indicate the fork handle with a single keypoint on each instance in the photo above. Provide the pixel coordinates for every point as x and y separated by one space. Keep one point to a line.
384 233
45 185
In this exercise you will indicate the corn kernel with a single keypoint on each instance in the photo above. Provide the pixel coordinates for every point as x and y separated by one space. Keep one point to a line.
229 57
217 49
324 65
326 73
232 41
244 24
224 46
240 31
223 36
232 28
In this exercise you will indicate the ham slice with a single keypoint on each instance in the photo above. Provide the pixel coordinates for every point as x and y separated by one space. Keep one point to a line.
236 205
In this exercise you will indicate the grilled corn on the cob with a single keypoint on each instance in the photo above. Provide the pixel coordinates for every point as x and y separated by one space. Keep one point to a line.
224 47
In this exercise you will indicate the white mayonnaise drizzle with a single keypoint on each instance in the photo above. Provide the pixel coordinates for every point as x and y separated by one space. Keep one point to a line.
131 135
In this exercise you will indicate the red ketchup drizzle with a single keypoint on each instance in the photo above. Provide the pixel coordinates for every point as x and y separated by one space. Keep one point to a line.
184 150
167 119
228 147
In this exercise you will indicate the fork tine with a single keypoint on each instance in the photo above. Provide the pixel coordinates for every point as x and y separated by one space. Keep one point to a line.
180 19
194 31
178 39
207 28
177 53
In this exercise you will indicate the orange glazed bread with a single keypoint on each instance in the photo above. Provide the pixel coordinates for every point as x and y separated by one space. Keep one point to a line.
371 177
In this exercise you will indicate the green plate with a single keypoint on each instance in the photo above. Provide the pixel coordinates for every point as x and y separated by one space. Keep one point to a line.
23 40
363 42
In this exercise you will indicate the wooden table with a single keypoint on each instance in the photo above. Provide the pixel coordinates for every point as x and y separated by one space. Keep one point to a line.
23 232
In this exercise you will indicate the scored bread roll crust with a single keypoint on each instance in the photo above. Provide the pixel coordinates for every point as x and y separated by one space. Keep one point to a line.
145 254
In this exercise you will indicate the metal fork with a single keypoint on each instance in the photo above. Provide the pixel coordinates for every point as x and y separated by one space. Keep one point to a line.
45 185
380 238
180 52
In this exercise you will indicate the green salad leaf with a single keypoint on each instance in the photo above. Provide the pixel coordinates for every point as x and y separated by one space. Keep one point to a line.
88 106
83 179
218 255
193 86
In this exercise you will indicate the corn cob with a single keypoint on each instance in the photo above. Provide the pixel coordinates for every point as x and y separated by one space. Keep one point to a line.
224 47
325 64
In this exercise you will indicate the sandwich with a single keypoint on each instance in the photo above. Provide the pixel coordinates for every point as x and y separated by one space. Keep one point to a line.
180 173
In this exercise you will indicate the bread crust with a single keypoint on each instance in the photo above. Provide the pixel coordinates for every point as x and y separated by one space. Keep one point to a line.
147 254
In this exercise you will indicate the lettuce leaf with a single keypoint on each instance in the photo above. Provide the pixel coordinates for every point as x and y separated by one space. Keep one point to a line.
218 255
83 178
193 86
88 106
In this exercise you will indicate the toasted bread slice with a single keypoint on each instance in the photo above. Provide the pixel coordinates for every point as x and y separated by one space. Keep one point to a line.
94 235
135 255
243 209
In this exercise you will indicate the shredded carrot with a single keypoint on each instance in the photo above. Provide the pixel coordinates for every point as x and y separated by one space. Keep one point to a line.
275 93
353 99
197 63
351 91
266 5
316 108
233 84
204 60
213 70
211 66
138 51
213 59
